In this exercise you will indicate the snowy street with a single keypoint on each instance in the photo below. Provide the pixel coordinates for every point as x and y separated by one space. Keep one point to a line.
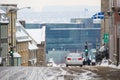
59 73
43 73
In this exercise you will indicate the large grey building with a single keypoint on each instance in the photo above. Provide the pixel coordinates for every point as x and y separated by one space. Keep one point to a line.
70 36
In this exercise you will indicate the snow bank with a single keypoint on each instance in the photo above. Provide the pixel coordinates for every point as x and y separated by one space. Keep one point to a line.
105 63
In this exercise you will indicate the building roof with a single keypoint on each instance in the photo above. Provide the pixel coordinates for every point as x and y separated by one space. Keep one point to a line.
32 46
21 36
37 34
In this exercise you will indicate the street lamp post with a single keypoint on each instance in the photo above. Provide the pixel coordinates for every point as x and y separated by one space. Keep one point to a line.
12 46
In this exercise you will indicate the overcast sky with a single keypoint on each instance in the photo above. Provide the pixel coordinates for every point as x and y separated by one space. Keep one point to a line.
38 5
63 10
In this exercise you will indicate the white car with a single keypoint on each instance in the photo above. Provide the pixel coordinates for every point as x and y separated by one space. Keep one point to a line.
74 59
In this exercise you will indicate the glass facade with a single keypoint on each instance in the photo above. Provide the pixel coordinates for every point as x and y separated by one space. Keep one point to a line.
70 37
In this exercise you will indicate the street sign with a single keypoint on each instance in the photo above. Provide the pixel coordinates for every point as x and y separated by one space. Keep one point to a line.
106 38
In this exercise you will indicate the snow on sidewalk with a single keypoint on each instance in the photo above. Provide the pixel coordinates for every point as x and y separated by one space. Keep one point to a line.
105 63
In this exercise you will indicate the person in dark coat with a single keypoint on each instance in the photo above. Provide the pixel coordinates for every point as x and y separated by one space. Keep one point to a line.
88 61
84 62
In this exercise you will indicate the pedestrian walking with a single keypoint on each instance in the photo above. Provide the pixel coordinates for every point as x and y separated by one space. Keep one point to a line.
88 61
84 62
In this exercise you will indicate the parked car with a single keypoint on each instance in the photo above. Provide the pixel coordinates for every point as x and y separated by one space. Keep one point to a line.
74 59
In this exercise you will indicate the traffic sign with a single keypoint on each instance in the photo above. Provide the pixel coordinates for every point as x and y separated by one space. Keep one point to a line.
106 38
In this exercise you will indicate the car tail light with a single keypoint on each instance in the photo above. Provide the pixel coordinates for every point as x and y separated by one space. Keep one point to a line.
68 58
79 58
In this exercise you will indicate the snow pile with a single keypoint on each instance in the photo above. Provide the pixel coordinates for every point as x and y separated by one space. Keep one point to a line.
106 63
88 75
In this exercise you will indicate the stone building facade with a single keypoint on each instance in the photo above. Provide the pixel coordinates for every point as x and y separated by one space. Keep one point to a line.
112 27
3 38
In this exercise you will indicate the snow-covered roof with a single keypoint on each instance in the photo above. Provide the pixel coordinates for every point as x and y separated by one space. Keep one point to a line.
32 46
20 34
37 34
15 54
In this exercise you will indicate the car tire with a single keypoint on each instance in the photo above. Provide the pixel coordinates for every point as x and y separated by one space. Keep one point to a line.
81 65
